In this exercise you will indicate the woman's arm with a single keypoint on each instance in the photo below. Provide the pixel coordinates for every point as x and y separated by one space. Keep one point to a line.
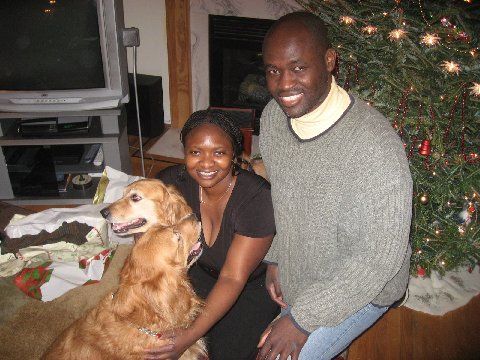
244 255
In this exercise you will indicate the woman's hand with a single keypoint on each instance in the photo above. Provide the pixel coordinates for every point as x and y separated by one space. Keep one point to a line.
272 283
178 341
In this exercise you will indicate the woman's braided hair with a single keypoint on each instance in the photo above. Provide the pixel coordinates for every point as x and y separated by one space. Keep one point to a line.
219 118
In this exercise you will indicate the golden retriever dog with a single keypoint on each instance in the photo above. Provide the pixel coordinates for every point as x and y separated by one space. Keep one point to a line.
154 293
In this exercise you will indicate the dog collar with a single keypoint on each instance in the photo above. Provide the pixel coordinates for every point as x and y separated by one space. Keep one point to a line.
148 331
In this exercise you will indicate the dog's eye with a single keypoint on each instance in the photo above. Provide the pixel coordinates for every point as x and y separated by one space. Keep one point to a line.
135 197
177 236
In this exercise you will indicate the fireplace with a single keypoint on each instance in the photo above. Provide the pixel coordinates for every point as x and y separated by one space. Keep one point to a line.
237 77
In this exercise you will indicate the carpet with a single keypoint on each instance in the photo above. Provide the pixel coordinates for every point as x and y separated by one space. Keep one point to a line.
168 145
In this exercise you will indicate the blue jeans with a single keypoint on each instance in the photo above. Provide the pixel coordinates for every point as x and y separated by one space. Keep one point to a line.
326 343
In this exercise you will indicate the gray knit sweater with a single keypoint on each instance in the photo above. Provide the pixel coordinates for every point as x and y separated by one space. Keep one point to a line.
342 205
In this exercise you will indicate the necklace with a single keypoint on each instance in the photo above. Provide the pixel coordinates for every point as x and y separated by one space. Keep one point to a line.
216 200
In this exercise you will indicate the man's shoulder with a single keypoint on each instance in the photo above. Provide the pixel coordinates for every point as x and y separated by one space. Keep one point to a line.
271 109
363 107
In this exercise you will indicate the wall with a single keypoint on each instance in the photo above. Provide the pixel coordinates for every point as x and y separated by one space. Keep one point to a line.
149 17
199 11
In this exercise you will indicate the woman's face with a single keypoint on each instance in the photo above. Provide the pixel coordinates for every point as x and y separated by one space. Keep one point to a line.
208 155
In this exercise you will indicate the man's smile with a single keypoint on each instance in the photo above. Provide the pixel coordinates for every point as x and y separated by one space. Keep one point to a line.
291 100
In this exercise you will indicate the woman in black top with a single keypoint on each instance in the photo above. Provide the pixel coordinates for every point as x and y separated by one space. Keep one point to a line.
236 212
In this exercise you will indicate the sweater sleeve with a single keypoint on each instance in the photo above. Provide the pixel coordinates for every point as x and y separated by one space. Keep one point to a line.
379 250
271 256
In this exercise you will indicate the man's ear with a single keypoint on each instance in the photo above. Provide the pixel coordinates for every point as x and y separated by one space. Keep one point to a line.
330 59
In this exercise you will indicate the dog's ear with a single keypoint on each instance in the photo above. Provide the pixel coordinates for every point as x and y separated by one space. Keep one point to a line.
176 206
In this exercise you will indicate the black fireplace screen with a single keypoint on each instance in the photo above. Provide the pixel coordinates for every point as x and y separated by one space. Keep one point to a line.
237 77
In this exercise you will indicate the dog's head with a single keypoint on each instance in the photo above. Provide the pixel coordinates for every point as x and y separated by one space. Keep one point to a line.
145 203
165 248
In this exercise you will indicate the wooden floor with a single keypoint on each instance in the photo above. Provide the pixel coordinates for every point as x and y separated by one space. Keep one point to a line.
411 335
402 334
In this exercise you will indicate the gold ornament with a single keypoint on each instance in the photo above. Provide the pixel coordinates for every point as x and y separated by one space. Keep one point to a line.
475 89
369 29
424 198
347 20
451 67
430 39
397 34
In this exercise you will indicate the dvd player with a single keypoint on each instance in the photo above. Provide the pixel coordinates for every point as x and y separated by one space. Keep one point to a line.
53 126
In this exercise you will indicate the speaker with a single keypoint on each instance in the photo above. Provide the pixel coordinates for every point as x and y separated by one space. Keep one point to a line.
150 102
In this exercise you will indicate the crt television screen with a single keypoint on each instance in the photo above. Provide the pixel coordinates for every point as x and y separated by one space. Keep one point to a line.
50 45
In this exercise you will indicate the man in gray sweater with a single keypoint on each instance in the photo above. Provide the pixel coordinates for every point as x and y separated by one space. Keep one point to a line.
342 193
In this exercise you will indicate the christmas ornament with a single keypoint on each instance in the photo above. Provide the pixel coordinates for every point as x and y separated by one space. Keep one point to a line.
445 22
369 29
451 67
475 89
424 198
421 271
464 217
425 148
463 37
430 39
397 34
347 20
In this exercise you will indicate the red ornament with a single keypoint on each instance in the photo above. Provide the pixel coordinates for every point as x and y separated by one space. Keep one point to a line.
421 271
425 148
471 209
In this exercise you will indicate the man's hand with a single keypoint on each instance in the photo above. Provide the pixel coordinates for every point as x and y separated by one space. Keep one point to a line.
173 344
272 283
281 338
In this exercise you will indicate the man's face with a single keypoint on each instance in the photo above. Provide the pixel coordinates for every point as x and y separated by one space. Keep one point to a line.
297 69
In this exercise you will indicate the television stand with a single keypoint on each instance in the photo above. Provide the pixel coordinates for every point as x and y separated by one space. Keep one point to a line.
19 157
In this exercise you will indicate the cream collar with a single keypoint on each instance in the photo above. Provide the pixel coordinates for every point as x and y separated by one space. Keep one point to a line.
323 117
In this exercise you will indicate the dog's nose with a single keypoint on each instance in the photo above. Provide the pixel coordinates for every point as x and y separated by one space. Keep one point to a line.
105 212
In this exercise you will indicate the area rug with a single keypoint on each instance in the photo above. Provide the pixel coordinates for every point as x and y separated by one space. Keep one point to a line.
168 145
437 295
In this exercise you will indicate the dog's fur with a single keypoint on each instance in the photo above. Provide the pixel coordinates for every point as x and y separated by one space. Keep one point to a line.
154 291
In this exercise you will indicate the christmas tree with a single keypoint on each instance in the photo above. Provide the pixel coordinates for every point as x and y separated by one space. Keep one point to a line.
418 63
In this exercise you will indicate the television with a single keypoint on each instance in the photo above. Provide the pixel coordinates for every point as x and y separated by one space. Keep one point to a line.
62 55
